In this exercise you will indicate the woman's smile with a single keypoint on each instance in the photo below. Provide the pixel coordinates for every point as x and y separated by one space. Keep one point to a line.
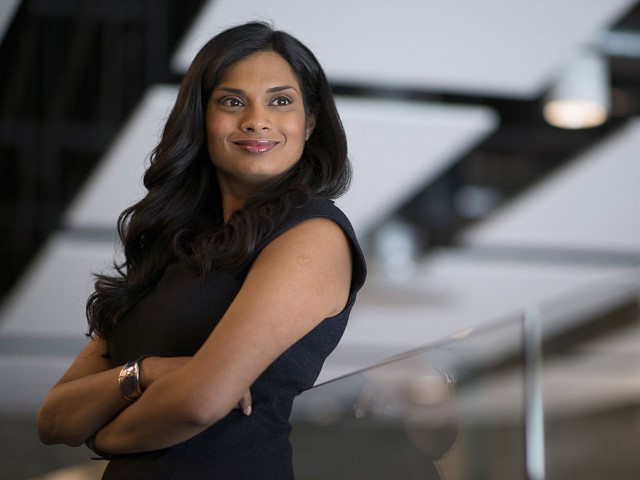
256 146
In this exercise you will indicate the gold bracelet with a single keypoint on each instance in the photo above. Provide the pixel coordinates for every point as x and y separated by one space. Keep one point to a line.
129 380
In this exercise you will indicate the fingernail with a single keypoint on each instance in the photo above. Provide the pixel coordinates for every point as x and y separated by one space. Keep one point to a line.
247 410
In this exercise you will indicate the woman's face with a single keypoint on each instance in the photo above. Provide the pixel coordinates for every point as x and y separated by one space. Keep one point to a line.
256 122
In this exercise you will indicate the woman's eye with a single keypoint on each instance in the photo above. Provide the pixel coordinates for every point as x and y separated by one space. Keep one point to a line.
281 101
231 102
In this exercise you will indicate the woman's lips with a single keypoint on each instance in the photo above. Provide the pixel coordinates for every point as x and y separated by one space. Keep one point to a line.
256 146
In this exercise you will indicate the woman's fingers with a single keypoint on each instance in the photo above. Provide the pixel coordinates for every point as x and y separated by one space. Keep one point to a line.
245 403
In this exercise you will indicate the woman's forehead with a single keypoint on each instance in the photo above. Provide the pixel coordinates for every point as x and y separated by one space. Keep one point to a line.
260 67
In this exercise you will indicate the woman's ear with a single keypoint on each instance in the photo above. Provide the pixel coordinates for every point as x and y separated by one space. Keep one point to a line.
310 124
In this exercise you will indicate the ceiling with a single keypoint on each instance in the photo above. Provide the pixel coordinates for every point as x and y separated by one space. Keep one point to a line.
502 48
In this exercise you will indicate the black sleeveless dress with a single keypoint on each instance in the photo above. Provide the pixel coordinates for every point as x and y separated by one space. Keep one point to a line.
176 318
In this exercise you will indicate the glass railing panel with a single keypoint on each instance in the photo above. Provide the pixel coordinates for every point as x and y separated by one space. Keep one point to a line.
590 378
451 411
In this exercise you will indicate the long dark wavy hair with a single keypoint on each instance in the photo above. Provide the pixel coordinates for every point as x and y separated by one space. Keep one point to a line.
181 218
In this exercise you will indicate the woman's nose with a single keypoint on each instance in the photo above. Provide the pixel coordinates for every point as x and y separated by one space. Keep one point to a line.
255 118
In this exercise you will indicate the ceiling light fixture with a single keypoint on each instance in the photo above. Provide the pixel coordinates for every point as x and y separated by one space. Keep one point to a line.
580 97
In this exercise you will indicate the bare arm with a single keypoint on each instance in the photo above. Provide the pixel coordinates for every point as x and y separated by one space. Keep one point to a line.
85 398
88 396
299 279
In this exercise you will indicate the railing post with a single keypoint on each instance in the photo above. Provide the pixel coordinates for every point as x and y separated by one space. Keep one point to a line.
533 404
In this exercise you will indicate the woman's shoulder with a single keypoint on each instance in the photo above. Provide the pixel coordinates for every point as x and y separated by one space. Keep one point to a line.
318 207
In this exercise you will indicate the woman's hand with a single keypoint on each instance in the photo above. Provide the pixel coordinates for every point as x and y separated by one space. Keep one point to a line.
245 403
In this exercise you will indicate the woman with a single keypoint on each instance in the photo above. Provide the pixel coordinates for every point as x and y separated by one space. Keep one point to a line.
238 279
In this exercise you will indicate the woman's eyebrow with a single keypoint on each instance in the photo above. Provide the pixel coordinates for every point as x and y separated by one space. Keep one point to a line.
280 88
239 91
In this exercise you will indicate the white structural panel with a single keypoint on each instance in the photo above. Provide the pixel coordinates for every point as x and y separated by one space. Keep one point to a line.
496 47
592 204
396 147
117 182
50 298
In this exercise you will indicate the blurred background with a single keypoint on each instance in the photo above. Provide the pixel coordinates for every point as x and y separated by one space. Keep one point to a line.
496 156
